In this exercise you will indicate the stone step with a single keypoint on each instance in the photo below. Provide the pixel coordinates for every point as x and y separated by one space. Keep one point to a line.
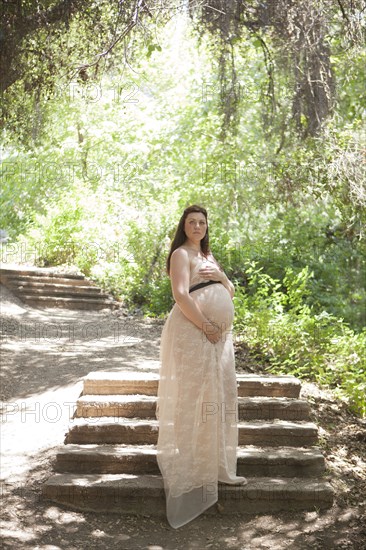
66 292
141 459
69 303
135 494
45 288
278 433
114 383
144 406
269 408
253 385
40 273
115 430
129 406
57 279
120 383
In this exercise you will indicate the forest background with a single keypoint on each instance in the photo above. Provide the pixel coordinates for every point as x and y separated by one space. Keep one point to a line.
116 115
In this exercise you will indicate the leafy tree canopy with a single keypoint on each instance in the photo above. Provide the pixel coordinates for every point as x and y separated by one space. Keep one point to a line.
46 44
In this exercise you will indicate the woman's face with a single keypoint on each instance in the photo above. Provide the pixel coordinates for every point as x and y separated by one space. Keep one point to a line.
195 226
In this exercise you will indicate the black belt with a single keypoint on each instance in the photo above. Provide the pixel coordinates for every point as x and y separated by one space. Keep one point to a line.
201 285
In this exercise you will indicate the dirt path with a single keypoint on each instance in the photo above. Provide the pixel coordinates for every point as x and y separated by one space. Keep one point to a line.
45 355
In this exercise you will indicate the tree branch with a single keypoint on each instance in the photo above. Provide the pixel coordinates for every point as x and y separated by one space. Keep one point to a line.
17 27
57 13
140 4
344 14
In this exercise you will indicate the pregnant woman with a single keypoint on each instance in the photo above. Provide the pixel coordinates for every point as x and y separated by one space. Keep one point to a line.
197 394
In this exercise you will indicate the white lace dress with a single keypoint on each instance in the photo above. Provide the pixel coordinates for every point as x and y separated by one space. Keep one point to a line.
197 406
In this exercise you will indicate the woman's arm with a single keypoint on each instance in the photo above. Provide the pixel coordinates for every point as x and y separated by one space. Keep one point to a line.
179 275
228 285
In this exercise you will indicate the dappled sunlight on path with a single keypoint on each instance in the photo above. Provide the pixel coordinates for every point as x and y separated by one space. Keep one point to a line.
45 356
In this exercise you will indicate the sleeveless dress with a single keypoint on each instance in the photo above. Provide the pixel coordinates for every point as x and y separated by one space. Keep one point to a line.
197 407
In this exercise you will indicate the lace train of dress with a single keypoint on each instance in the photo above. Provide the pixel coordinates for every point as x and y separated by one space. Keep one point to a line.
197 407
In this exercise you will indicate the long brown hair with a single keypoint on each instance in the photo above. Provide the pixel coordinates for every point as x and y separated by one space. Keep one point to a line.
180 237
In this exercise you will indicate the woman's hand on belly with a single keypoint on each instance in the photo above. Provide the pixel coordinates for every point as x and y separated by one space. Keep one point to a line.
213 273
212 331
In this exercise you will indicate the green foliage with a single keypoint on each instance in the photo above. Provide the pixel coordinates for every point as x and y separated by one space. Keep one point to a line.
119 157
292 339
160 298
54 240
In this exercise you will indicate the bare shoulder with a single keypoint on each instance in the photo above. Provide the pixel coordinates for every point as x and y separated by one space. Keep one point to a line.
180 252
180 256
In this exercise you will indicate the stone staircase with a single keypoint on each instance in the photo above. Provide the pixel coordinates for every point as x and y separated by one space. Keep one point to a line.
41 287
108 462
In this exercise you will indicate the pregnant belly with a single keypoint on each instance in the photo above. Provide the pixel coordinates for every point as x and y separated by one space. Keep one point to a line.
216 304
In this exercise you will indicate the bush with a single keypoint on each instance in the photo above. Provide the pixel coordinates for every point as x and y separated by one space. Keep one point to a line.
294 340
52 238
